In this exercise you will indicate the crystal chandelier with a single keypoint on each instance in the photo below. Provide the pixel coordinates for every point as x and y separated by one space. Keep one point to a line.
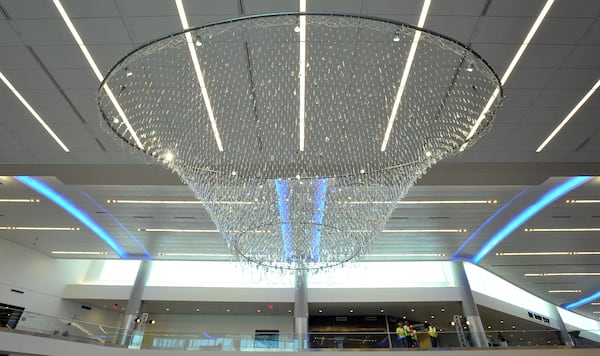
300 131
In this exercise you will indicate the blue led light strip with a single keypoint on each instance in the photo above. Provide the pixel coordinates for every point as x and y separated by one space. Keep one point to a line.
583 301
490 219
528 213
72 209
120 224
283 195
320 195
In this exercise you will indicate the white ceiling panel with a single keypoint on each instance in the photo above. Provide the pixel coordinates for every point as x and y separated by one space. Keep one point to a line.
545 56
83 9
150 8
505 30
252 7
43 32
391 7
102 31
585 56
515 8
530 78
149 29
562 30
29 9
459 28
203 8
340 6
17 58
8 37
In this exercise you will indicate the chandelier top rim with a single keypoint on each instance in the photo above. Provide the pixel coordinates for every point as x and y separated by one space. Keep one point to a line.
308 13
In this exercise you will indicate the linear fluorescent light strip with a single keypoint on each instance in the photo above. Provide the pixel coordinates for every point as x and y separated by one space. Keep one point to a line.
556 253
19 200
583 201
559 274
407 255
569 116
411 202
574 229
73 210
177 202
565 291
39 228
521 218
194 254
302 73
179 230
96 70
33 113
405 73
414 230
199 75
79 253
509 70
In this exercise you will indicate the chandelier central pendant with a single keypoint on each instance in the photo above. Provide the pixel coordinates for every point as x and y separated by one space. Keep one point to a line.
300 131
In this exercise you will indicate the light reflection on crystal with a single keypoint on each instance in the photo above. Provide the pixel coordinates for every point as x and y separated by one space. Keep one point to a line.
250 67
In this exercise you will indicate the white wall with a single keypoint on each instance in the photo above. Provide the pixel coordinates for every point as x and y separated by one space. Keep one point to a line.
42 279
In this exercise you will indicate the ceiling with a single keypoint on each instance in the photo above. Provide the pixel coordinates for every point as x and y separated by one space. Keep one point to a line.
40 58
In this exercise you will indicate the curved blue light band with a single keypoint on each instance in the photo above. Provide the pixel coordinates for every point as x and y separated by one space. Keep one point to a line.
319 213
72 209
283 195
490 219
528 213
583 301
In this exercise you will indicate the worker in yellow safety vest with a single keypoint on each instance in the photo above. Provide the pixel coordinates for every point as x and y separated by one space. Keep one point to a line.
401 335
433 335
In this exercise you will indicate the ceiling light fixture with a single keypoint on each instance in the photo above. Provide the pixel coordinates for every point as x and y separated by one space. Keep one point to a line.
565 291
405 72
556 253
421 202
199 74
569 116
522 217
262 149
302 73
39 228
561 274
102 253
423 230
180 230
569 229
511 67
19 200
405 255
47 191
96 70
175 254
33 112
583 201
176 202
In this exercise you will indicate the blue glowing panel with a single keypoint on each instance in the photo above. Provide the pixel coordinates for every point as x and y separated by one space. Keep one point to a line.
320 196
528 213
583 301
283 195
72 209
490 219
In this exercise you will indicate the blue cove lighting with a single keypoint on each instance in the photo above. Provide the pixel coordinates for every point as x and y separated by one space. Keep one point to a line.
120 224
320 195
490 219
72 209
583 301
283 195
529 212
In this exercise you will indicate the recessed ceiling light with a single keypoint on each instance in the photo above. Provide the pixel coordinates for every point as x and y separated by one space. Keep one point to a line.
405 73
583 201
96 70
573 229
198 70
258 310
167 309
565 291
33 112
19 200
197 309
351 310
569 116
557 274
228 310
79 253
39 228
